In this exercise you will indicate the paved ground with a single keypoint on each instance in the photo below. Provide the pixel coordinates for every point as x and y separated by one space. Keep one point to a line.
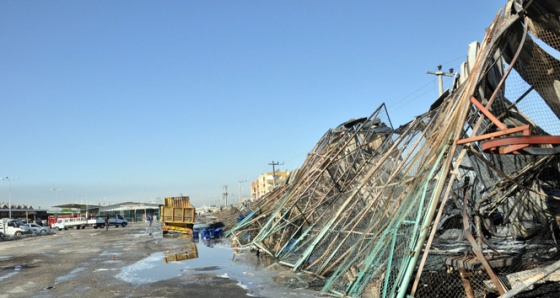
90 263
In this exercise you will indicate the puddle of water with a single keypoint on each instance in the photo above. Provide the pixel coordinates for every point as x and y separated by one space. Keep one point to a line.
146 270
8 275
68 276
214 259
107 253
16 269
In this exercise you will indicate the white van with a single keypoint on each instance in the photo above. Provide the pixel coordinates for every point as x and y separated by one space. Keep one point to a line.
14 227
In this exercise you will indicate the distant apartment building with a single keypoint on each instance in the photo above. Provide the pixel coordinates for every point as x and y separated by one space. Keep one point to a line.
266 183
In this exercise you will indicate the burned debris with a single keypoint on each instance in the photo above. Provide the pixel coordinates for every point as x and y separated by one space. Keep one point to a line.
463 201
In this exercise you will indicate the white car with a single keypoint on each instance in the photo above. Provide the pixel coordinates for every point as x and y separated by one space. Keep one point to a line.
40 229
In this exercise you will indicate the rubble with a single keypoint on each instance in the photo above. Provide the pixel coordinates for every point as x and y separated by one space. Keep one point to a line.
450 204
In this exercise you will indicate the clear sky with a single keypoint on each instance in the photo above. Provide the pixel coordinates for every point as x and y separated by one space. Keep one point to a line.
114 101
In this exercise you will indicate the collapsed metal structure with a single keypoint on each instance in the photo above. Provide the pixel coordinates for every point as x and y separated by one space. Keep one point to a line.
460 202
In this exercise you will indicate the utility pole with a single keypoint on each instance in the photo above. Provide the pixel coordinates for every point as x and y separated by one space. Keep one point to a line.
10 193
440 74
273 164
56 190
240 181
225 194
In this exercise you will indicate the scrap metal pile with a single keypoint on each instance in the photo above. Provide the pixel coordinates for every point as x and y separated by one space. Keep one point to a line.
463 201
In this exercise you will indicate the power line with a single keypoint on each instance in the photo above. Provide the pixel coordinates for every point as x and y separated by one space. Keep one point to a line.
398 102
455 59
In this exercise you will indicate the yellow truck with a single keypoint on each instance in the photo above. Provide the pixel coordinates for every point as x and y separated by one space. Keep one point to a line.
177 215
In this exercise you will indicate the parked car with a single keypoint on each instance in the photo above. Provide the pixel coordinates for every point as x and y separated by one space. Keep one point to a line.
37 229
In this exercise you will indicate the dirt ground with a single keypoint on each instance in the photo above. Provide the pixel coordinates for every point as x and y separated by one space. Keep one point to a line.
86 263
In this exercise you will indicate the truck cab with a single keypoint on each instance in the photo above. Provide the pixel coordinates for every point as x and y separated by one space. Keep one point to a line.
14 227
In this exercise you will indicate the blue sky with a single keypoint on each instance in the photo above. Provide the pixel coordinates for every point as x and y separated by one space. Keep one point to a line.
116 101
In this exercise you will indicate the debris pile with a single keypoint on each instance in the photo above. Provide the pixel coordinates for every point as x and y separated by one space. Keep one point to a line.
463 201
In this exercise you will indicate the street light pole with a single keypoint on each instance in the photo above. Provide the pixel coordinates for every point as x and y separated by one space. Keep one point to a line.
56 190
240 181
10 193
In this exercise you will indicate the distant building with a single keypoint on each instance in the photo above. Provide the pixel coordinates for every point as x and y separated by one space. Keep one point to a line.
23 212
132 211
266 183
